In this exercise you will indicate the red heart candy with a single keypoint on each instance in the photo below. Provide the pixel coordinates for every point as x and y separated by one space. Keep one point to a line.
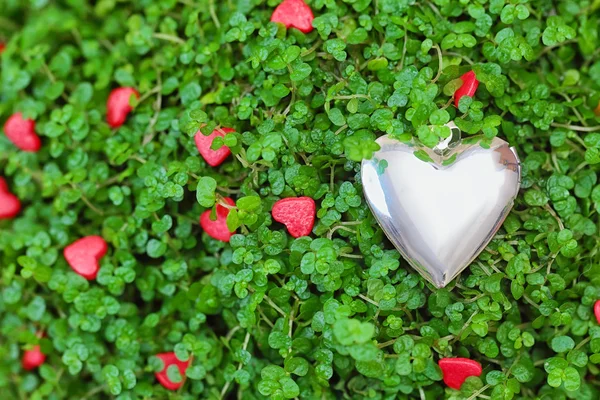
203 143
33 358
597 310
22 133
217 229
9 203
456 370
117 105
296 213
84 255
169 359
468 88
294 14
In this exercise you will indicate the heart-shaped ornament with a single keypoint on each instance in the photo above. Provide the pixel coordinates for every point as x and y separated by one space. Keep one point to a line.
217 229
33 358
441 213
214 158
21 132
457 370
294 14
169 359
9 203
468 88
118 105
296 213
85 254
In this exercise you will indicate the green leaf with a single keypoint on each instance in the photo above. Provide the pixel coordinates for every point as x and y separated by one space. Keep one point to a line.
562 344
205 191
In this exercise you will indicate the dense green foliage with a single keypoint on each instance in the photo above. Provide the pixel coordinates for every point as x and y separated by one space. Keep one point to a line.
335 315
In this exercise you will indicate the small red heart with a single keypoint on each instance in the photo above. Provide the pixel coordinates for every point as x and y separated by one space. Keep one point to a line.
212 157
296 213
294 14
22 133
2 47
456 370
33 358
217 229
597 310
468 88
9 203
117 105
84 255
169 359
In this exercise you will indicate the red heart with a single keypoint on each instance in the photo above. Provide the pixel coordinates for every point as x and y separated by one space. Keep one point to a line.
22 133
456 370
294 14
2 47
468 88
217 229
9 203
597 311
203 143
296 213
33 358
169 359
117 105
85 254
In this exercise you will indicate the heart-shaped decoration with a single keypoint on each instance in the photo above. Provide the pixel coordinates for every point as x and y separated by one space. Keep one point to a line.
441 213
468 88
214 158
457 370
118 107
9 203
217 229
294 14
85 254
33 358
169 359
597 310
297 214
22 133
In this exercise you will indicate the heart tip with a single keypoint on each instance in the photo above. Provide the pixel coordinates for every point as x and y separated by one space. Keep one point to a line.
441 282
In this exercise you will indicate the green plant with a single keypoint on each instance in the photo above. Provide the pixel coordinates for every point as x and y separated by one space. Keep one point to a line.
335 315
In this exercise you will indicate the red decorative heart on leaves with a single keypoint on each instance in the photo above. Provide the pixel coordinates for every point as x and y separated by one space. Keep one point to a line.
294 14
296 213
33 358
212 157
85 254
2 47
597 310
22 133
456 370
170 359
9 203
217 229
117 105
468 88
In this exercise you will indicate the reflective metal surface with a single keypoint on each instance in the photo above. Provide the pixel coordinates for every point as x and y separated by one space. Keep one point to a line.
441 214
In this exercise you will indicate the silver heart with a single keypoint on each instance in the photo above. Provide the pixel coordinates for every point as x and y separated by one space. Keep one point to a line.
440 214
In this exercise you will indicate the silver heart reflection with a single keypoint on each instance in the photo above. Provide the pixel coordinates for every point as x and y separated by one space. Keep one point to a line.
441 214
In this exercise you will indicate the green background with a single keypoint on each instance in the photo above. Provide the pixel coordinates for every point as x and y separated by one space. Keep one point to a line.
334 315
